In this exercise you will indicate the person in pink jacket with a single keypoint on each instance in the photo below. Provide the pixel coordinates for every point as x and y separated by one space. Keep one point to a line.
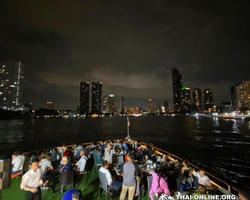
159 185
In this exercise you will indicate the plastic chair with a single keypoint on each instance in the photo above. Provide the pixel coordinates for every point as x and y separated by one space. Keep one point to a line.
103 184
96 166
149 179
87 170
66 179
120 160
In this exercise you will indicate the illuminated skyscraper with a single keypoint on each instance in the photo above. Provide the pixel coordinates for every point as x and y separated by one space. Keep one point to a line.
240 95
84 98
197 99
11 84
105 104
151 106
49 106
165 105
111 103
122 111
185 99
96 97
208 99
177 86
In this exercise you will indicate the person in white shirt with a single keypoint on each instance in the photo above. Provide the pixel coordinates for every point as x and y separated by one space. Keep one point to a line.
31 181
81 164
202 178
46 167
108 154
17 162
114 184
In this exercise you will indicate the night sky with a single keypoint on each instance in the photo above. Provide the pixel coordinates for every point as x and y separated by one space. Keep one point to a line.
131 46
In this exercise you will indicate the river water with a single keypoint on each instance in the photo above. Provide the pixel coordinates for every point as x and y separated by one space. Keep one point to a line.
220 146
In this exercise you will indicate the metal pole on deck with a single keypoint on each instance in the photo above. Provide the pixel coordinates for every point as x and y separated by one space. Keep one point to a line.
128 124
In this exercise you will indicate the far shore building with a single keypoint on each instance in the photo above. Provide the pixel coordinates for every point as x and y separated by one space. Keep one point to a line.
11 85
240 95
208 100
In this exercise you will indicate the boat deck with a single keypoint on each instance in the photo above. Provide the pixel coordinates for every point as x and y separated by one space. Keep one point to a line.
89 190
90 187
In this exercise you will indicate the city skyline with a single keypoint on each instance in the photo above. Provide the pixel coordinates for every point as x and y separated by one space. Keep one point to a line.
130 46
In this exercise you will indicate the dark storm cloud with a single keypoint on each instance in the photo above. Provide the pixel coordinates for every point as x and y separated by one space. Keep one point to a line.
131 46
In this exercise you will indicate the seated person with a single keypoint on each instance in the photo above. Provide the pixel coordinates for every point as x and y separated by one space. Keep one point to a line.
17 162
139 148
202 178
73 195
151 152
65 166
112 183
81 164
159 185
146 160
159 158
201 191
185 168
164 158
46 167
184 185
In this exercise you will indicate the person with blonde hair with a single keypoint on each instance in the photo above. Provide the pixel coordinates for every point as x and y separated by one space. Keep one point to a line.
201 193
65 166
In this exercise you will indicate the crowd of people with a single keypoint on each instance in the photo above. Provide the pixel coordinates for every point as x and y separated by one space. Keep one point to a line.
168 175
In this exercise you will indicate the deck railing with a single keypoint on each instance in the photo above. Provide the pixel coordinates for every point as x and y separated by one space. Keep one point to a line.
215 181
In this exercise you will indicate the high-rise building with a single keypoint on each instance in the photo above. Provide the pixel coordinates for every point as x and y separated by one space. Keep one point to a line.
105 104
151 106
84 98
122 111
111 103
96 97
177 86
185 99
197 99
159 110
49 106
165 105
240 95
208 99
11 84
